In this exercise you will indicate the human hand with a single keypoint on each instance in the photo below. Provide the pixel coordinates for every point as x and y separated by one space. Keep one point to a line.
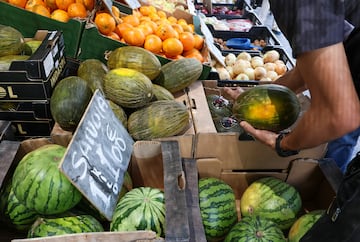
233 93
264 136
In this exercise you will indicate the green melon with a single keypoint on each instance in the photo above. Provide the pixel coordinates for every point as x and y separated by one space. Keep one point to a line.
217 208
270 106
303 224
14 213
40 185
119 113
128 88
44 227
11 41
159 119
255 228
69 101
161 93
142 208
135 58
271 198
93 71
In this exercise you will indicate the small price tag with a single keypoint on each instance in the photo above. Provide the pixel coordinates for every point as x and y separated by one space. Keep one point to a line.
98 155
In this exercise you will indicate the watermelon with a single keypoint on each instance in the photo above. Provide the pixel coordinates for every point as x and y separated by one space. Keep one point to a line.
271 198
44 227
40 185
303 224
14 213
217 207
255 228
142 208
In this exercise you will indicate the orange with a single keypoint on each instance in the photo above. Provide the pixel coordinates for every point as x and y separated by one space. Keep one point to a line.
182 21
31 3
199 42
178 28
121 27
18 3
144 10
131 19
194 53
154 16
134 36
172 19
150 23
89 4
60 15
161 14
188 40
105 23
165 31
153 43
63 4
41 10
146 29
114 36
136 13
77 10
187 28
51 4
172 47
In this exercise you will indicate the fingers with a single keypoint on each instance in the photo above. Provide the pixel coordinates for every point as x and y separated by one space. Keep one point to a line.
264 136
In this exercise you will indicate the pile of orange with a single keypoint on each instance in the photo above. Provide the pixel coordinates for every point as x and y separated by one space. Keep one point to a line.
153 30
61 10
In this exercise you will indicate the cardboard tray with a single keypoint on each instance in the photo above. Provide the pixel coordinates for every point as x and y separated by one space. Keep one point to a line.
28 23
34 79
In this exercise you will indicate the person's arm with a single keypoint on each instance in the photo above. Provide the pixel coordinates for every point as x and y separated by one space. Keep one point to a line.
293 80
334 109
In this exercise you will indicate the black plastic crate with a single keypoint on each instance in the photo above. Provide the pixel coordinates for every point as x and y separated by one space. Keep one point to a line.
262 34
35 78
31 129
27 111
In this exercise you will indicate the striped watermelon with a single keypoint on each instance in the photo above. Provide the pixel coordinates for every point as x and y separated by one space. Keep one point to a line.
255 228
142 208
271 198
44 227
39 184
217 207
303 224
14 213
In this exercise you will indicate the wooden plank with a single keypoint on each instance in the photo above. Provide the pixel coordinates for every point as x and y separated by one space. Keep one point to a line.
197 232
8 151
177 225
143 236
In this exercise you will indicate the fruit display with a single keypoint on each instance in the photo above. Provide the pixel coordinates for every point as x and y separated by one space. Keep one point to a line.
270 106
217 208
255 228
303 224
220 10
64 224
142 208
153 30
59 10
158 119
69 101
39 185
271 198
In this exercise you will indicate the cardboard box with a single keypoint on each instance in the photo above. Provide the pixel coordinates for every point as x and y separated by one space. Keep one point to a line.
28 23
143 151
34 79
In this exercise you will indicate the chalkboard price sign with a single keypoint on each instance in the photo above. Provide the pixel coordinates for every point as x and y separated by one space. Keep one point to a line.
98 155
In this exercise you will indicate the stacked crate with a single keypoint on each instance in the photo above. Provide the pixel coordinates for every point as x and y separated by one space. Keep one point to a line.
26 88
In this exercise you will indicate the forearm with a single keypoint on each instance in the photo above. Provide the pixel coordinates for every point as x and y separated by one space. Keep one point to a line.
293 80
334 109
